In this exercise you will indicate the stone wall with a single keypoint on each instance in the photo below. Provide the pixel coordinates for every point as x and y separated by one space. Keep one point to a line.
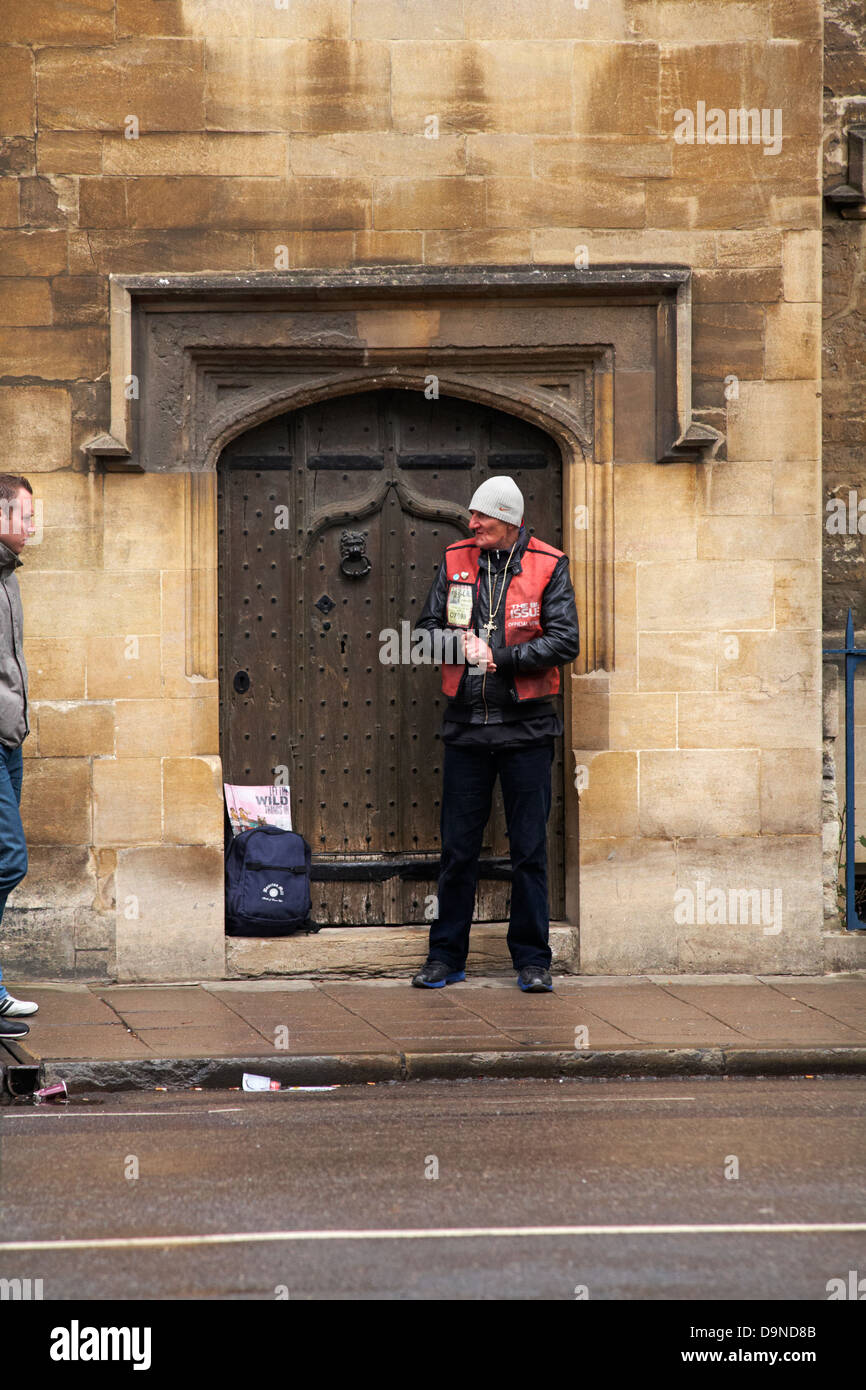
333 134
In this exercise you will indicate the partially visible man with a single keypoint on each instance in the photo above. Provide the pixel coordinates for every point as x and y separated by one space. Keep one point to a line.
16 528
500 721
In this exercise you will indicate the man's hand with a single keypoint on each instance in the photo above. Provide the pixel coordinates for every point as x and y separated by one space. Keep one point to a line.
477 652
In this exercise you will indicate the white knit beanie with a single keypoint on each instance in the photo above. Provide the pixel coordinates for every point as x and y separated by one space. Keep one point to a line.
499 497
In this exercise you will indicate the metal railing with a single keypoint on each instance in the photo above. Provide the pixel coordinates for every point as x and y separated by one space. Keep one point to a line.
853 656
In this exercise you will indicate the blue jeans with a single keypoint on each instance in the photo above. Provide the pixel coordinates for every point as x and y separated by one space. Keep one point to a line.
13 846
468 776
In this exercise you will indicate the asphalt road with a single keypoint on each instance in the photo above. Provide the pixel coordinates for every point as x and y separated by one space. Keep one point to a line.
300 1175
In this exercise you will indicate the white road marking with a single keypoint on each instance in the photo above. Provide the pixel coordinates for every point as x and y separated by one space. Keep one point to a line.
112 1114
422 1233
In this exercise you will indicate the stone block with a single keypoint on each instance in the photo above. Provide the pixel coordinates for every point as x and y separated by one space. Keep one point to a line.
79 299
55 667
747 73
786 869
647 246
561 160
205 724
9 203
475 86
643 720
616 89
55 801
94 932
24 302
319 249
727 339
655 512
590 710
69 152
797 489
388 248
797 594
323 85
155 728
112 604
177 897
705 595
627 890
439 204
123 667
57 874
790 791
599 202
127 801
193 801
302 19
740 719
75 730
609 802
196 154
144 521
247 203
125 252
769 663
757 246
801 267
774 420
17 91
735 285
773 538
739 489
676 661
32 253
687 792
54 354
625 634
37 944
161 81
793 343
73 22
477 247
35 423
634 426
512 156
377 154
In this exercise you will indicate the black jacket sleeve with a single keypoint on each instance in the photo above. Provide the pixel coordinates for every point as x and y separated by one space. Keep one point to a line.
433 613
560 641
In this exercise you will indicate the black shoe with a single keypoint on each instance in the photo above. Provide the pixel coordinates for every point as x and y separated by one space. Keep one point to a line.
534 979
11 1028
435 974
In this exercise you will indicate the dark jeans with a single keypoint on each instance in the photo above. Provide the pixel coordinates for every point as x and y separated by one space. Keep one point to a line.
467 793
13 847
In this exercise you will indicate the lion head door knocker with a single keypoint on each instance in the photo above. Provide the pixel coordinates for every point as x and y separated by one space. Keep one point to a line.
354 560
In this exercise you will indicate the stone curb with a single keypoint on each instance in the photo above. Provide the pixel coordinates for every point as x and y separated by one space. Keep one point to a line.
219 1073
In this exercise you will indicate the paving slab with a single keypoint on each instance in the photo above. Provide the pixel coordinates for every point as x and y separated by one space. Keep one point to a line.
343 1031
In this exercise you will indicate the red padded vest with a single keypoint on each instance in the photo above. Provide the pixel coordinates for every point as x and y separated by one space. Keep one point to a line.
522 605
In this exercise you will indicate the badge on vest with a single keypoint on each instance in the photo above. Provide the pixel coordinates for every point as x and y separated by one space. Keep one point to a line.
459 607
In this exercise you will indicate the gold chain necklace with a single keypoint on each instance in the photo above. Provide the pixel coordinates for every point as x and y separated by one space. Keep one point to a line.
490 624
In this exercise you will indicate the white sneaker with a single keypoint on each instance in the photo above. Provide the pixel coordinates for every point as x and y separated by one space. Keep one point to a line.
16 1008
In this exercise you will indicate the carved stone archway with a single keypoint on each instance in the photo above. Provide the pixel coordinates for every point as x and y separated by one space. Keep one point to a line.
600 360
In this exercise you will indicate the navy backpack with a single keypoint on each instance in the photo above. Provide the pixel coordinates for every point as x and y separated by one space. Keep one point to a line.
268 883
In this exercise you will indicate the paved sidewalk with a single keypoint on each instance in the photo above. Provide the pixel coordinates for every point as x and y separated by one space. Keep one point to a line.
120 1037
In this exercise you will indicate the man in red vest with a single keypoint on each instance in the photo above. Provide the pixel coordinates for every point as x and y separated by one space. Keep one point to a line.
510 597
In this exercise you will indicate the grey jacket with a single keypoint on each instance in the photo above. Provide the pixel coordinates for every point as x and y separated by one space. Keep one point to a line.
14 725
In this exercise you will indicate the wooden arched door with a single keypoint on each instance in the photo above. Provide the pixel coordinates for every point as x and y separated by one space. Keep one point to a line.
333 520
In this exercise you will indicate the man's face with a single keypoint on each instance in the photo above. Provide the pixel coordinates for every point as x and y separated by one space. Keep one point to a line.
490 533
16 521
